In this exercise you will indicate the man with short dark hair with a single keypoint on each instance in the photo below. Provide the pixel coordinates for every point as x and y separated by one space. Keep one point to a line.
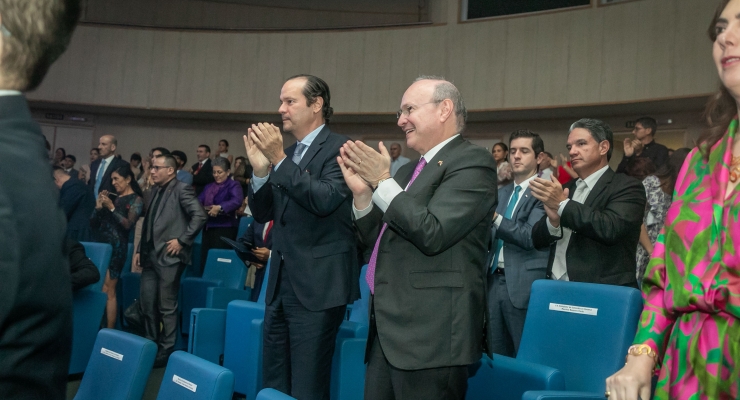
546 169
314 272
103 167
173 219
202 170
35 295
182 159
514 263
69 164
592 225
397 160
76 203
644 131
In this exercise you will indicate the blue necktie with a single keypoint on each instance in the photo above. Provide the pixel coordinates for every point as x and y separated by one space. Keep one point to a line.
509 212
298 153
99 179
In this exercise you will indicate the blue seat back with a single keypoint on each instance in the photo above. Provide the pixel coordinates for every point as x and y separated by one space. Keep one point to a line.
88 307
243 345
99 254
244 223
225 266
189 377
360 308
263 289
581 329
119 367
272 394
195 253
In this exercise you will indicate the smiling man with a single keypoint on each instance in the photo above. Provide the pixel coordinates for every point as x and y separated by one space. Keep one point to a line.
592 224
429 228
313 272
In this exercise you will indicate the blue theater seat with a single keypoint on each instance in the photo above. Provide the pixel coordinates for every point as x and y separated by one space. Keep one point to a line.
575 336
99 254
188 377
119 367
88 307
244 223
223 269
272 394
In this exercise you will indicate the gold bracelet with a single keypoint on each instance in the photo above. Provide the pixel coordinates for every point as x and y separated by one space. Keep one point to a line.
640 349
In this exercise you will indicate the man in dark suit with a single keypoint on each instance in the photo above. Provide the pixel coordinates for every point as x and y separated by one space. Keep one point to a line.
173 219
592 225
76 203
259 236
513 260
35 295
103 167
69 166
427 271
202 170
314 272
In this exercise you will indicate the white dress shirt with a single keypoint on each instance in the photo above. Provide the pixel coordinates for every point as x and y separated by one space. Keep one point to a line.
107 165
258 182
583 189
389 188
499 218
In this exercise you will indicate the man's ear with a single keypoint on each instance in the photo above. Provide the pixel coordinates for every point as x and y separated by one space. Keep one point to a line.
604 147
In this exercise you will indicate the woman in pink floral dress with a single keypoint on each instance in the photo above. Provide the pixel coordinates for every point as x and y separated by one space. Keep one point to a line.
690 325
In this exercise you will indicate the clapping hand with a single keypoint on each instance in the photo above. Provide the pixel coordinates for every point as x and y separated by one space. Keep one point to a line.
269 140
629 148
550 192
260 163
370 165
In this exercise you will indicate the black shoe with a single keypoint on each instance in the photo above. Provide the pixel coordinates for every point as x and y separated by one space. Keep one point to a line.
161 360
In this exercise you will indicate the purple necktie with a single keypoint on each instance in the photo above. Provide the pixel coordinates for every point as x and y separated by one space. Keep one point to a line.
370 274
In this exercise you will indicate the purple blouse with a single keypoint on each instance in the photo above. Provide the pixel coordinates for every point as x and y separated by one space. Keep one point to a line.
229 196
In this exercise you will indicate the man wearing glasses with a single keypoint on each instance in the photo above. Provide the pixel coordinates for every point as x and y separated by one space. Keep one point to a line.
644 132
173 219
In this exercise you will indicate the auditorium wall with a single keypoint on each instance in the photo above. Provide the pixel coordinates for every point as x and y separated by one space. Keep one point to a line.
634 51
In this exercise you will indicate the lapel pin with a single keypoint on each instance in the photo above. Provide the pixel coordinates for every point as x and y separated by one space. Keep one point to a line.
440 163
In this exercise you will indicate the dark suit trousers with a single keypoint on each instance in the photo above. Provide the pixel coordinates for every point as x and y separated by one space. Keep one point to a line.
160 286
505 324
298 344
383 381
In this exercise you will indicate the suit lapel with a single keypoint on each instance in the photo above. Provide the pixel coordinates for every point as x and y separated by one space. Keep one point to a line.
434 168
524 198
503 199
314 147
165 196
599 187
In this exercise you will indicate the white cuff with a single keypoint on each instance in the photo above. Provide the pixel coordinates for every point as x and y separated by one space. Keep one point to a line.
361 213
497 220
257 183
275 167
561 207
553 230
385 193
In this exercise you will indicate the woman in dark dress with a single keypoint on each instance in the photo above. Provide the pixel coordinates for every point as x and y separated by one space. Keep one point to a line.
221 199
112 221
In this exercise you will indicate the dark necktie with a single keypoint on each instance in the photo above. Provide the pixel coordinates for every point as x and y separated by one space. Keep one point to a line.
370 274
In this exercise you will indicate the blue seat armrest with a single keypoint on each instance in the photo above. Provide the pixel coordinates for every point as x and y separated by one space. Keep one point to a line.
514 377
349 329
207 334
348 369
219 297
552 394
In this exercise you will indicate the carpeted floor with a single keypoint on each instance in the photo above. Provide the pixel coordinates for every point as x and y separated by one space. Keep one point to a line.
150 393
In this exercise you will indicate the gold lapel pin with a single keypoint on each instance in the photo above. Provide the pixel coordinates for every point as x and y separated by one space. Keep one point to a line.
440 163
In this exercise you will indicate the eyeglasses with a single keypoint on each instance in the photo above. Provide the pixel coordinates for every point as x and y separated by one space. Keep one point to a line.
157 167
410 108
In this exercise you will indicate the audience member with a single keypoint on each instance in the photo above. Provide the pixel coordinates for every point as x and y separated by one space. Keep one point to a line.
76 203
220 199
182 175
69 166
59 155
94 155
690 324
112 222
101 169
503 169
563 170
259 236
644 131
173 219
513 261
427 268
35 295
659 190
545 169
202 170
84 174
242 173
592 225
83 272
397 160
147 164
223 150
314 272
640 168
136 168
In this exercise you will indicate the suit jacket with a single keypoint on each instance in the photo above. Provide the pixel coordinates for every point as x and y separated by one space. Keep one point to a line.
430 277
203 177
606 230
522 261
253 235
83 271
312 238
35 295
74 174
107 182
179 216
78 205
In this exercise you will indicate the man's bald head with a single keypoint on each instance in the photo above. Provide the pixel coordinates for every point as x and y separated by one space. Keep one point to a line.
107 146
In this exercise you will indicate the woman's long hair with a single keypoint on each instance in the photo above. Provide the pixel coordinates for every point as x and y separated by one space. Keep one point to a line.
721 107
125 172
